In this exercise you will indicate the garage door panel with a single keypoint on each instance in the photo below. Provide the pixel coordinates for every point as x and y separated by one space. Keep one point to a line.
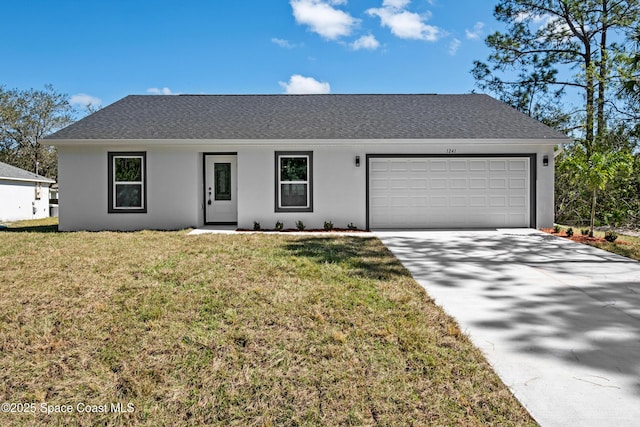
478 183
517 201
497 201
497 183
449 192
518 165
379 184
498 165
477 165
438 166
517 183
438 184
458 166
439 201
458 183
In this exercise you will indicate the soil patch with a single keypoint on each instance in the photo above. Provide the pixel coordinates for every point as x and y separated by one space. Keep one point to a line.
579 238
306 230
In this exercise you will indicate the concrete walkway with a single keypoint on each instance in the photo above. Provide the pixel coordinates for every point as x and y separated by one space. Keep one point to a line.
558 321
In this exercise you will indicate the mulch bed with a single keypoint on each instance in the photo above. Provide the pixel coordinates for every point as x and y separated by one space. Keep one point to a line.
306 230
577 237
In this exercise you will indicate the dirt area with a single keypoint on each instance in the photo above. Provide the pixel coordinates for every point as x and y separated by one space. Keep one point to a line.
577 237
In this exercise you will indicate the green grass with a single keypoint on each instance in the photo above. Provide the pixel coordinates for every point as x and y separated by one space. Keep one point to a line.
249 330
628 246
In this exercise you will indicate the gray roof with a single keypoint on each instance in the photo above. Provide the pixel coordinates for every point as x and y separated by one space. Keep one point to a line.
471 116
16 174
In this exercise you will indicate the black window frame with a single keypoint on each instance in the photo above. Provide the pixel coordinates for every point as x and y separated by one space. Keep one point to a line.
309 181
111 183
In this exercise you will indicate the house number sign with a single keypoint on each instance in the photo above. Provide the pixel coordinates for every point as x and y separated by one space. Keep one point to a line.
451 151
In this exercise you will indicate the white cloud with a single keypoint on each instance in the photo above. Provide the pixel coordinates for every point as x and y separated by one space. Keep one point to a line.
323 19
454 46
405 24
366 42
160 91
304 85
84 100
476 33
398 4
527 16
284 43
553 27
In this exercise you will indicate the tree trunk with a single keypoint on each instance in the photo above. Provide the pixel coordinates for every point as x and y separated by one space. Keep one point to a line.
603 72
593 212
590 101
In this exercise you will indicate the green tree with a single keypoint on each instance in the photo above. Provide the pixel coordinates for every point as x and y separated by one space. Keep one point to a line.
27 116
596 171
550 46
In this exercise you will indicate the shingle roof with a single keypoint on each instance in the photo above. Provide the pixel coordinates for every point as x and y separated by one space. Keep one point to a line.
307 117
13 173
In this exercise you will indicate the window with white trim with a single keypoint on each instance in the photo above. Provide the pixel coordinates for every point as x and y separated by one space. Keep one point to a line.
127 182
294 179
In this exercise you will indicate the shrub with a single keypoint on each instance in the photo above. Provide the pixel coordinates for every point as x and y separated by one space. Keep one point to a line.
256 225
610 236
350 226
584 231
279 225
328 225
556 228
300 225
569 232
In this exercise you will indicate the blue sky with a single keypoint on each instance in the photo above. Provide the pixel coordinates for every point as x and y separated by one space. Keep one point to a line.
102 50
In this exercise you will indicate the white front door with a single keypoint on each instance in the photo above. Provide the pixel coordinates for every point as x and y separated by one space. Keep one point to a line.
221 189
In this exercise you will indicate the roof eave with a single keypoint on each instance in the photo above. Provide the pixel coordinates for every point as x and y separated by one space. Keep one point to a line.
10 178
298 141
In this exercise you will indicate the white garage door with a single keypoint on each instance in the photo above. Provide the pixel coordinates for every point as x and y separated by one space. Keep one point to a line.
445 192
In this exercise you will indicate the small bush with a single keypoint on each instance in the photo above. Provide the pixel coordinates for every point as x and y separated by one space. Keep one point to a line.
350 226
569 232
610 236
328 226
300 225
584 231
256 225
556 228
279 225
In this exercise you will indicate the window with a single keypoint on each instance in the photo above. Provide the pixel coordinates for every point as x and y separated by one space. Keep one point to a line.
222 181
294 178
127 182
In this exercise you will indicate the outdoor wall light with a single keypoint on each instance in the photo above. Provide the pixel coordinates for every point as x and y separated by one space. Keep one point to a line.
545 161
357 161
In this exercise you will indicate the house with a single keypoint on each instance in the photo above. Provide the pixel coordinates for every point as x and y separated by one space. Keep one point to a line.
23 194
377 161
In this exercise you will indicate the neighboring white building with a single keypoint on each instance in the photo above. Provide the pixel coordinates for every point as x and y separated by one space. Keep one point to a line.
23 194
376 161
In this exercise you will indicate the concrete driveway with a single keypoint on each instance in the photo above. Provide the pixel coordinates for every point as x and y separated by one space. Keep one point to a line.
558 321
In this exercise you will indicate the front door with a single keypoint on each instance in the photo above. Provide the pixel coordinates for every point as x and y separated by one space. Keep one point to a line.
221 204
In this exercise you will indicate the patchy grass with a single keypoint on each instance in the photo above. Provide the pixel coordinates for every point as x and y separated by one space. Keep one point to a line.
46 225
247 330
625 245
628 246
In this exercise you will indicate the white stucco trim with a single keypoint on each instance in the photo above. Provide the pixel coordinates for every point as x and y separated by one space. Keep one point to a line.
299 142
8 178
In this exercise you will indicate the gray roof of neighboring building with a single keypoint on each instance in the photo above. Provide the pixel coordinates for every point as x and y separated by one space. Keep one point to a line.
471 116
13 173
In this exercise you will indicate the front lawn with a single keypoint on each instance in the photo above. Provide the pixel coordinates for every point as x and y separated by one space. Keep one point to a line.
230 330
625 245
